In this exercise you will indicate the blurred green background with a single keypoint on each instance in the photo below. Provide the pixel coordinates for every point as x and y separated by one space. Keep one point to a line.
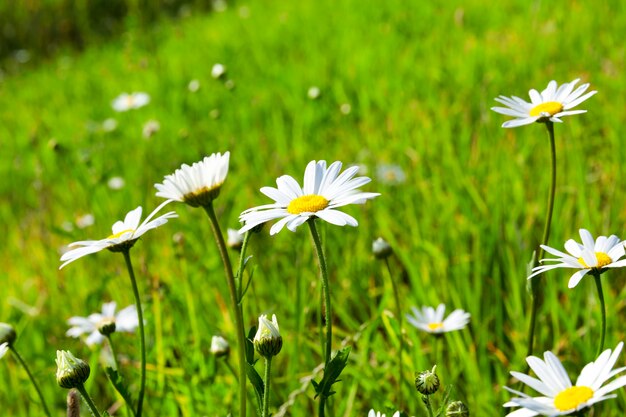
402 84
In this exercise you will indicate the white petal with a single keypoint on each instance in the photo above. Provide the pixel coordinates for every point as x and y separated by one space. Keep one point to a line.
575 279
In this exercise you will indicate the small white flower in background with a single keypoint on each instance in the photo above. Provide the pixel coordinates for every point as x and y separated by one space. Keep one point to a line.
390 174
125 102
373 413
125 234
345 108
4 347
193 86
313 93
219 5
595 257
150 128
235 239
22 56
85 220
558 396
218 71
550 105
196 185
125 320
219 346
116 183
109 125
324 190
267 340
430 320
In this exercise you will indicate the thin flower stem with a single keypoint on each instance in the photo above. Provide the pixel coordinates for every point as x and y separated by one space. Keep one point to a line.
112 349
242 259
142 333
32 379
429 407
603 307
536 286
129 409
266 391
235 300
88 400
396 296
325 289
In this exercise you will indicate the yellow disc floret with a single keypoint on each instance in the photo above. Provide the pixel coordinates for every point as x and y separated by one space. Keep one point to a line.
603 260
549 107
435 326
572 397
309 203
119 234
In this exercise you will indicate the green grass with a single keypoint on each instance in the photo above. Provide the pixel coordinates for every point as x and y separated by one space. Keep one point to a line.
420 78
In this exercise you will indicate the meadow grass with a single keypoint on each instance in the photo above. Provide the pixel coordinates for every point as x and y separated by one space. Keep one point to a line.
420 78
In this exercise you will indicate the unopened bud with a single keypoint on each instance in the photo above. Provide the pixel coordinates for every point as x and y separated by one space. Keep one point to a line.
71 371
7 334
427 382
381 248
268 341
457 409
219 346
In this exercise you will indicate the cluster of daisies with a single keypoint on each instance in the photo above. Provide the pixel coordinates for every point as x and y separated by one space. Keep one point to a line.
596 381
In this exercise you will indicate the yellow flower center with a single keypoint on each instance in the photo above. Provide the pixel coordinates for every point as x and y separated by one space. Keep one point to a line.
550 107
572 397
119 234
603 260
435 326
307 204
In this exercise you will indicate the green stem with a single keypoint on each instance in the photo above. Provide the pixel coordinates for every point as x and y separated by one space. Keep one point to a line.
536 282
32 379
142 333
129 409
603 306
242 259
235 300
88 400
266 391
325 289
396 296
429 407
111 348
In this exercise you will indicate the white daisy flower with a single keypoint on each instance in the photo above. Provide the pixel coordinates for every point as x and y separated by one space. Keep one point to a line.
550 105
323 192
595 257
126 320
198 184
218 71
430 320
373 413
559 397
125 102
125 234
4 347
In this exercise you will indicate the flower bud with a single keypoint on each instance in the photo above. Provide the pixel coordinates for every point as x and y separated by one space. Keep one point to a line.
267 340
381 248
427 382
7 334
71 371
107 326
457 409
235 240
219 346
